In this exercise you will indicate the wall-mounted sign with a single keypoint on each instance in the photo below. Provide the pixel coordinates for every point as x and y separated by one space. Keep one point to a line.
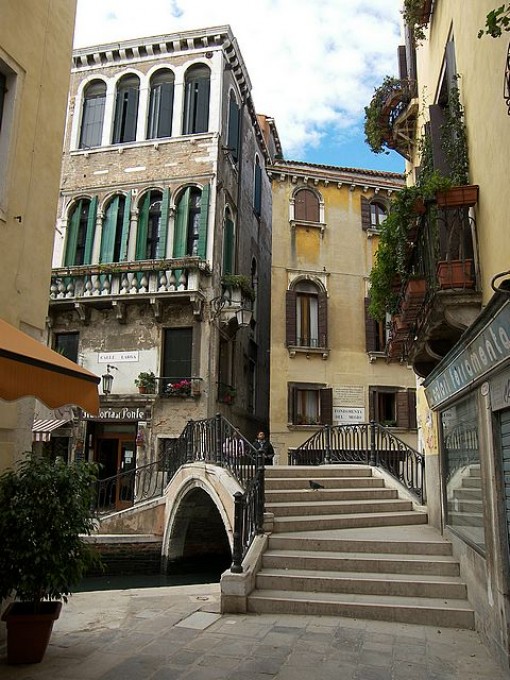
119 413
348 415
349 395
108 357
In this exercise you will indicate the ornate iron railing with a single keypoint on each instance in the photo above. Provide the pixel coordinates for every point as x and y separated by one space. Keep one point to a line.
366 444
215 441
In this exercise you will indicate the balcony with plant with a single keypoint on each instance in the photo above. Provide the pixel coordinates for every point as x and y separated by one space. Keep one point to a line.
417 15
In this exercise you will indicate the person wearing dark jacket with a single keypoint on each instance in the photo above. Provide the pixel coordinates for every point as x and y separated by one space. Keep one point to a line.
264 445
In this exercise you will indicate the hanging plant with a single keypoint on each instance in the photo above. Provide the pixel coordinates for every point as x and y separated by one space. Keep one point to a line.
416 15
496 22
388 100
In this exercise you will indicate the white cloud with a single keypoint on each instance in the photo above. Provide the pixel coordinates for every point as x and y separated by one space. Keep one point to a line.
313 64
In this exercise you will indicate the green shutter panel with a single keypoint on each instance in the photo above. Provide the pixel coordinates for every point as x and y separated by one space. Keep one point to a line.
143 220
163 225
204 212
126 227
72 235
91 230
109 227
257 198
233 129
181 225
202 106
228 247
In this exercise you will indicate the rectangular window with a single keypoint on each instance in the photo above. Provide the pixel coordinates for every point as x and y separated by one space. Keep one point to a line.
393 407
310 404
461 470
8 86
67 345
177 355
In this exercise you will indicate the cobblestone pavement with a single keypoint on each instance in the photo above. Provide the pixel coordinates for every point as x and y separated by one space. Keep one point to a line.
167 633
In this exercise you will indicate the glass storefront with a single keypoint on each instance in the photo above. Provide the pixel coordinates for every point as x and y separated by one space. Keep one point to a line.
461 471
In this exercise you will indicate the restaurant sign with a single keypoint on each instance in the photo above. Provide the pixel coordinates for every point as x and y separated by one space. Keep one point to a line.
119 413
488 350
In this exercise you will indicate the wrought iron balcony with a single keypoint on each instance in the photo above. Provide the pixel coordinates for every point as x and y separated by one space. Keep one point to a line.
398 117
440 296
113 282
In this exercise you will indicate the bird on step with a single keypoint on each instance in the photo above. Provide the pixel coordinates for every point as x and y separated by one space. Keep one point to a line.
315 485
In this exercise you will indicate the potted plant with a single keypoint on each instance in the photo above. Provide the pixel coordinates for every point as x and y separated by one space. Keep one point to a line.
240 281
180 388
146 382
388 100
45 508
416 15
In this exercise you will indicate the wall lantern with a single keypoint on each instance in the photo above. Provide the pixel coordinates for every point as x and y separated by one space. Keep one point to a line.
107 379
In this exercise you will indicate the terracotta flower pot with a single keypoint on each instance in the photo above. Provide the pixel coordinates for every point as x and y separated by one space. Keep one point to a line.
28 633
456 274
458 197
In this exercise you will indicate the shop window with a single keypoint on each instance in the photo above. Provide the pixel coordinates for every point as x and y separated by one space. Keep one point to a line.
306 315
393 407
152 226
190 235
161 105
306 206
92 119
461 471
126 109
67 345
196 100
80 232
310 404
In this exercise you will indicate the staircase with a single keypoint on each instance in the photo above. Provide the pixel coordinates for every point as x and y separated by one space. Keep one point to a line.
354 548
465 507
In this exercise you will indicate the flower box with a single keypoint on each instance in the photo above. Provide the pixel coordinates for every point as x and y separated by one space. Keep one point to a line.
464 196
456 274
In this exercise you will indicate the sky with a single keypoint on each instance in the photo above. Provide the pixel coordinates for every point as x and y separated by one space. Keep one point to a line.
313 64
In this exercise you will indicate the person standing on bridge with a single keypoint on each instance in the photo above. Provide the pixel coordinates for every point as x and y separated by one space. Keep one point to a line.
263 444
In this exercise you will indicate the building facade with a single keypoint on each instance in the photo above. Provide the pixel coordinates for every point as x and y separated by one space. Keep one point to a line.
454 96
35 49
163 241
328 361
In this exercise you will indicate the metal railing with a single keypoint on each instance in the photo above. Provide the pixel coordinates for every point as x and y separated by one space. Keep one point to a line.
366 444
215 441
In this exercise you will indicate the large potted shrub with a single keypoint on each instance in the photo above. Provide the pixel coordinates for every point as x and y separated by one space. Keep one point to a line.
146 382
45 509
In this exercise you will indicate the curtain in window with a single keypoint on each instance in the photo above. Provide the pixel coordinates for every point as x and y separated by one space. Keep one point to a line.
161 105
94 100
126 109
196 100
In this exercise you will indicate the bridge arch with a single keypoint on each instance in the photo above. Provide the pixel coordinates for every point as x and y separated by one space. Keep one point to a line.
199 511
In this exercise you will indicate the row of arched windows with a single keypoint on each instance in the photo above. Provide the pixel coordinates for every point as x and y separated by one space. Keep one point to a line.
112 237
308 206
158 112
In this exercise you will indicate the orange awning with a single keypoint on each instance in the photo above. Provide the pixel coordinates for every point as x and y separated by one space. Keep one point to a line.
29 368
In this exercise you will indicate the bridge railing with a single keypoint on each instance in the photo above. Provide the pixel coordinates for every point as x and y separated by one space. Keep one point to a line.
127 488
367 444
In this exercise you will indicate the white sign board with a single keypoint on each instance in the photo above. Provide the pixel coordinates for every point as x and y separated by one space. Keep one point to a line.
348 416
106 358
349 395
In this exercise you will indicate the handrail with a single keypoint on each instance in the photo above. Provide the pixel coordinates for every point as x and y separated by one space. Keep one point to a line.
366 444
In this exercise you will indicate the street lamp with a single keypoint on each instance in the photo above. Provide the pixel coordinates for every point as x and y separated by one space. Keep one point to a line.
107 379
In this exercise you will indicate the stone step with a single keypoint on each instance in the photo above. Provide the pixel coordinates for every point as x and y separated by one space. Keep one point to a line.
474 494
361 562
338 507
400 585
381 519
465 519
439 612
474 506
317 542
471 483
302 495
317 471
290 483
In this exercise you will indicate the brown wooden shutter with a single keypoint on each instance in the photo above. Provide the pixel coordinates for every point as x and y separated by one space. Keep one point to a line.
291 402
326 404
411 398
290 317
402 62
438 157
402 408
372 396
370 335
323 319
306 206
365 213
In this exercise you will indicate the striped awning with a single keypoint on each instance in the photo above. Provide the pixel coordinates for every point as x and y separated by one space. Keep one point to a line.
42 429
29 368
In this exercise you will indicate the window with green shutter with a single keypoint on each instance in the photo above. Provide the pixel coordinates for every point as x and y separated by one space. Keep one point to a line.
80 233
126 109
115 229
190 234
161 104
196 100
228 243
152 226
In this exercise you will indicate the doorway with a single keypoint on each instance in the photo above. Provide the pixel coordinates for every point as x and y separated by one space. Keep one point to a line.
116 456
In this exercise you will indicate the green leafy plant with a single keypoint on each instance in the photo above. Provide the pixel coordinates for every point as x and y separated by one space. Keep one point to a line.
376 133
416 18
497 21
45 508
146 380
454 138
239 281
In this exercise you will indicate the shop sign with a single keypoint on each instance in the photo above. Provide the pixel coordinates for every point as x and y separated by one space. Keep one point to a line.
500 391
348 416
489 349
119 413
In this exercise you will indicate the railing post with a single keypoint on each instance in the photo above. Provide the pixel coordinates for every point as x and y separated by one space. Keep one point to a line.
189 442
237 551
260 492
327 456
373 454
218 438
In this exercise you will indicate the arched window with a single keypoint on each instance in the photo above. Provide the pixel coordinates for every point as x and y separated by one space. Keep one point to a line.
94 99
126 109
196 100
161 105
80 234
152 226
378 213
306 315
115 234
190 237
233 126
228 243
257 187
306 206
